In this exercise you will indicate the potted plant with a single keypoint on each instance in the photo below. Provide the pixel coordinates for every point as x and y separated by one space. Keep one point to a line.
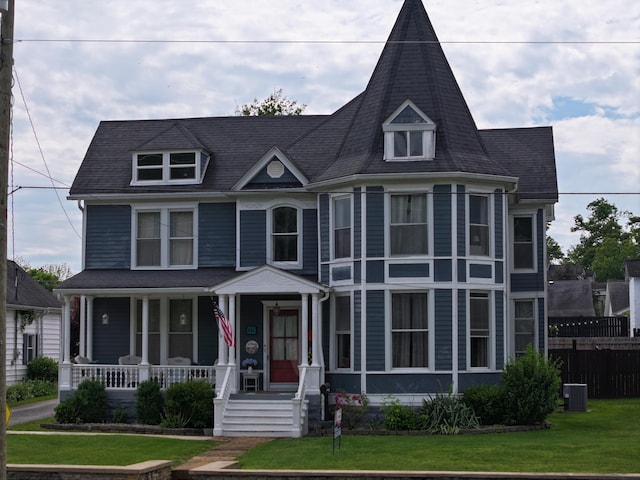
249 363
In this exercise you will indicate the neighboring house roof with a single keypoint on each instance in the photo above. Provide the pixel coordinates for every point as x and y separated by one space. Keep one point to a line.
345 144
24 291
617 298
567 271
570 298
632 268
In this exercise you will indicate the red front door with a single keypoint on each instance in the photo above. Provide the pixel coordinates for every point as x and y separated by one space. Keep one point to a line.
285 348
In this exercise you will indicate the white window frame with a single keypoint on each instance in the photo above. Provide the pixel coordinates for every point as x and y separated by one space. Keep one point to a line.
490 224
332 221
334 340
491 333
514 319
534 243
428 130
430 332
30 347
429 223
165 212
271 234
201 161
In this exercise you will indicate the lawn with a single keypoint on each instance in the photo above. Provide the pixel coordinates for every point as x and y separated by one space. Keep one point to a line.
603 440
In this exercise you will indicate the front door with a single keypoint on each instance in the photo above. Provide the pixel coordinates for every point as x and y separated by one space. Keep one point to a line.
285 346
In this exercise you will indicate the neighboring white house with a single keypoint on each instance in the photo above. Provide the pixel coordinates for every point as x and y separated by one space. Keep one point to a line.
632 275
33 323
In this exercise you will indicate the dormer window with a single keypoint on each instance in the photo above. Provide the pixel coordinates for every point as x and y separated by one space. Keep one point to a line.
409 135
179 167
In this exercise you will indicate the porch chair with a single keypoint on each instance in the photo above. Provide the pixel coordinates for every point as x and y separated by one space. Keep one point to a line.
129 360
80 359
179 361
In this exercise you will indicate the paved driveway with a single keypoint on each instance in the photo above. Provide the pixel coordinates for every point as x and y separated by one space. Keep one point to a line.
32 412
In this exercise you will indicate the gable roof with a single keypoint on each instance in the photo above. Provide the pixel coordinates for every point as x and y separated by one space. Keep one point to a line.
570 298
617 297
632 268
24 291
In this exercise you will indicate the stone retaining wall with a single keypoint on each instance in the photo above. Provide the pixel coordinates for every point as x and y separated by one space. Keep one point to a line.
150 470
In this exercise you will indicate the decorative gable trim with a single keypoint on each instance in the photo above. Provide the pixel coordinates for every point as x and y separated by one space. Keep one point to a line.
267 279
276 164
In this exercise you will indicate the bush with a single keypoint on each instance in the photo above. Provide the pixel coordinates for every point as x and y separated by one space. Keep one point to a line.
531 386
27 389
354 408
43 368
149 403
87 405
487 403
189 404
447 414
121 415
400 417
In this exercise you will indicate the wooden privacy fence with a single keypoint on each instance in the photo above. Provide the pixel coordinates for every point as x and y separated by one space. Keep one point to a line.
589 326
607 373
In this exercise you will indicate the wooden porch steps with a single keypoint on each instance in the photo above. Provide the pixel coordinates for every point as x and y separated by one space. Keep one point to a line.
259 415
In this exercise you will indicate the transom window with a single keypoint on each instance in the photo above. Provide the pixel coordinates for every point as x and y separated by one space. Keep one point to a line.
409 330
343 331
479 225
408 227
165 238
479 329
169 167
409 135
342 227
285 234
523 252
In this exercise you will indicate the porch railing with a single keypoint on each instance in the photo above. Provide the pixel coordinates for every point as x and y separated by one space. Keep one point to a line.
128 377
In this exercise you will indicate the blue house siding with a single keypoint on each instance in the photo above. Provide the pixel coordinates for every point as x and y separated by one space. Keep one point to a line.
375 271
443 270
442 220
411 383
375 222
349 382
207 332
357 223
264 180
340 273
310 241
323 219
466 380
541 230
443 326
499 309
462 329
542 324
109 343
357 330
499 222
112 250
480 271
375 331
461 220
217 235
527 282
462 270
409 270
253 240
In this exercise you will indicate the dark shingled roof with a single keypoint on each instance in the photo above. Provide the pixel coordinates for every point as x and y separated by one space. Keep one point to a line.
618 296
24 291
632 268
570 298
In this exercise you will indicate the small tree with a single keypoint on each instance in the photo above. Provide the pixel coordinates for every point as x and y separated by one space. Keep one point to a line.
274 104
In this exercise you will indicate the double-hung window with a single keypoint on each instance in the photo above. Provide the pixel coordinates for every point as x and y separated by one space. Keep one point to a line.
479 329
525 324
343 331
523 247
285 234
178 167
165 238
29 347
409 330
479 225
408 226
342 227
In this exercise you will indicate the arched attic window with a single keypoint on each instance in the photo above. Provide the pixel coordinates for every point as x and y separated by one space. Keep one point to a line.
409 135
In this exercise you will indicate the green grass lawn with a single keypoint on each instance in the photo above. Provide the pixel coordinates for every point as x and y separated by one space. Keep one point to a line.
603 440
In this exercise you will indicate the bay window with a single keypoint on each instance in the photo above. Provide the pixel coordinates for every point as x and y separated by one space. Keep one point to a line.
409 330
342 227
479 329
478 225
343 331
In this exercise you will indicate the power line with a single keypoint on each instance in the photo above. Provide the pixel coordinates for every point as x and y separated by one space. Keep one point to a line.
334 42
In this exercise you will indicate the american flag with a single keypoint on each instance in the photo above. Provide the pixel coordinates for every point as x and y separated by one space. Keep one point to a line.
224 325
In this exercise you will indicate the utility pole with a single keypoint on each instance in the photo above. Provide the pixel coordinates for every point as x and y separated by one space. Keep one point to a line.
6 79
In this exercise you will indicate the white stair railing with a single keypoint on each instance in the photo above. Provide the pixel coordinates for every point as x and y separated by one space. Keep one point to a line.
221 401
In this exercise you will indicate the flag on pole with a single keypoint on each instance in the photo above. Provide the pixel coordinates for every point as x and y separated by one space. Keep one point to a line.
224 325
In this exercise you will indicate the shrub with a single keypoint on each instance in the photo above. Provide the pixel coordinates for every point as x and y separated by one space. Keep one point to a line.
447 414
189 404
87 405
354 408
149 402
27 389
121 415
43 368
400 417
487 403
531 387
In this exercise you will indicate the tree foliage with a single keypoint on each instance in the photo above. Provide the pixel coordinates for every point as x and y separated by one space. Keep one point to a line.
554 251
275 104
607 237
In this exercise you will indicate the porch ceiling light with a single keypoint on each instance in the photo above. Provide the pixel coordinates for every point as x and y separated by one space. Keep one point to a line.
183 319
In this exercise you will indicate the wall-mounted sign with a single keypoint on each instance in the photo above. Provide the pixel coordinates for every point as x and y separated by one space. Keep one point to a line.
252 347
252 330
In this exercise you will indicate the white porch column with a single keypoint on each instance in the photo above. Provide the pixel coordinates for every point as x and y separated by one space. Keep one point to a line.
82 346
232 321
315 329
66 355
223 351
89 328
145 331
304 353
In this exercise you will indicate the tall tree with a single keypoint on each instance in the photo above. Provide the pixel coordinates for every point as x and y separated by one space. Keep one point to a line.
608 236
554 251
275 104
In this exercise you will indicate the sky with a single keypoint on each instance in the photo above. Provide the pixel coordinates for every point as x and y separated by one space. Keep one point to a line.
571 64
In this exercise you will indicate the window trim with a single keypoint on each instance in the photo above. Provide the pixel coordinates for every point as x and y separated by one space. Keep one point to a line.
534 243
428 129
491 349
165 212
332 224
201 163
270 234
430 332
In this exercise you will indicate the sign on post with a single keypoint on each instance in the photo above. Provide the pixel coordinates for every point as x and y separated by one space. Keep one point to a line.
337 428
